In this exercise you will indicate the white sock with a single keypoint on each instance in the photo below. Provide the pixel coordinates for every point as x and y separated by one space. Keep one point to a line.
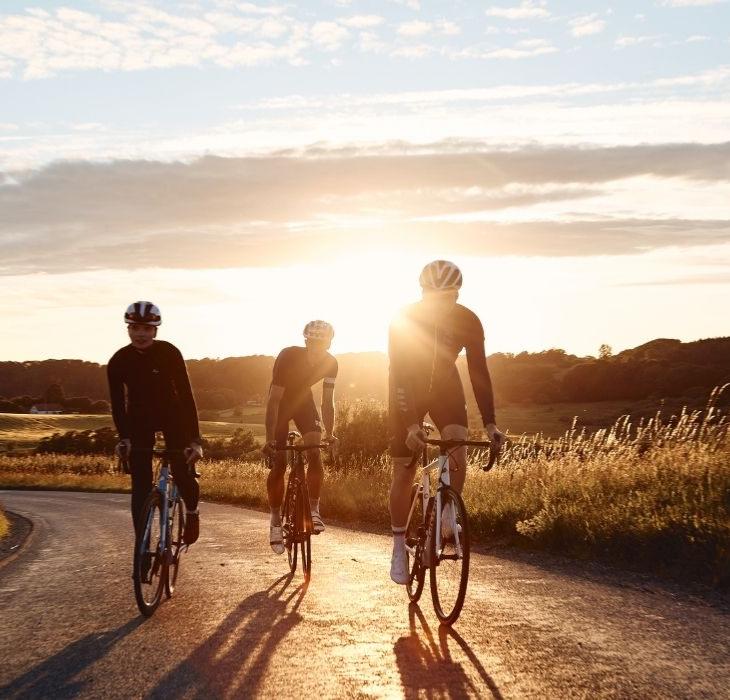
399 538
314 505
275 517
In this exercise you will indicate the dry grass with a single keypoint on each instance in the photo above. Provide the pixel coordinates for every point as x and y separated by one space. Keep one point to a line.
4 525
653 495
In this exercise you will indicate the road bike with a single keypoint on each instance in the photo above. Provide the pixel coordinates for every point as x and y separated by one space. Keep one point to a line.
159 539
296 514
437 531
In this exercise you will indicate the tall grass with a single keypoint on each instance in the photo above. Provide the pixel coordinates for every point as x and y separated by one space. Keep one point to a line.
4 524
653 494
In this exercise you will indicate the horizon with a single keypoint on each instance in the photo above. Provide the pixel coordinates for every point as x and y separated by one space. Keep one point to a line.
251 166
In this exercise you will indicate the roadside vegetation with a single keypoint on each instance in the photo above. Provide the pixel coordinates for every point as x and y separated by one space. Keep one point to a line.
652 494
4 524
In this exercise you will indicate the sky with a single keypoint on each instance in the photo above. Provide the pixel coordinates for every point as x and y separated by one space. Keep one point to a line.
250 166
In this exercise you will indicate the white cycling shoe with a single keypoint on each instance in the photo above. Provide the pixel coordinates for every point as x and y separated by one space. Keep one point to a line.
399 566
276 539
317 522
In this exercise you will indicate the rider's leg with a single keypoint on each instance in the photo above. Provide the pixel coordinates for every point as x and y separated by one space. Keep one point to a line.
187 483
275 486
140 467
315 473
457 456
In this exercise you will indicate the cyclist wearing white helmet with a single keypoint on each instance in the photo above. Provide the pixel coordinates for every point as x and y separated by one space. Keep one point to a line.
425 340
150 391
296 370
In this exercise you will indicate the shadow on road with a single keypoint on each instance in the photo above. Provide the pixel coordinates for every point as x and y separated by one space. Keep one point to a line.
60 675
427 668
232 661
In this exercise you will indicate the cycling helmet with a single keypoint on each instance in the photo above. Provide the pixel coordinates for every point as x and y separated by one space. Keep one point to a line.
319 330
440 275
144 312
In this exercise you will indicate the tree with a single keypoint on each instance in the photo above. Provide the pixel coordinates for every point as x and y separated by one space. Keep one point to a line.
54 394
605 351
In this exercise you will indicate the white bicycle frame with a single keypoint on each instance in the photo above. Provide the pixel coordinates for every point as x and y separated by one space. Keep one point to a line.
441 463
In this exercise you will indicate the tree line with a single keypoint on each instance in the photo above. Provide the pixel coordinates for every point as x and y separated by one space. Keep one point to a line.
659 368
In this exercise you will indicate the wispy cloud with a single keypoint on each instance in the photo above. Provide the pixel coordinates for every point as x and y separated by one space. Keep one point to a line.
361 21
525 10
587 25
690 3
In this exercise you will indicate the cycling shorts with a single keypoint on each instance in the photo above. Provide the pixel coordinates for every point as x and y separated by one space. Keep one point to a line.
304 414
445 405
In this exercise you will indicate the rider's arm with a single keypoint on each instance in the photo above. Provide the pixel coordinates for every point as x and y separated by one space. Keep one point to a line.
116 394
185 392
328 398
272 411
481 382
400 386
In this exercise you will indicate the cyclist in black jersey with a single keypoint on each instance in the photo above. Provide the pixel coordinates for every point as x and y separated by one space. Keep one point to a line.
296 370
424 341
150 392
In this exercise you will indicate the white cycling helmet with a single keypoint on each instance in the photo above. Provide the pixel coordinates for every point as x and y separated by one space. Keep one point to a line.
144 313
319 330
441 275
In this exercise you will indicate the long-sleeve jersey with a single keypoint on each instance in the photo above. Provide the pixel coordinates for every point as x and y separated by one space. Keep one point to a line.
423 356
150 389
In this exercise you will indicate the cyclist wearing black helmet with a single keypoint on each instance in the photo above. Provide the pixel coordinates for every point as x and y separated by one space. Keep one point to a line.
150 392
425 340
296 370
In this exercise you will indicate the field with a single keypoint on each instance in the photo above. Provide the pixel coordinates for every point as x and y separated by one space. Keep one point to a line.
652 495
24 430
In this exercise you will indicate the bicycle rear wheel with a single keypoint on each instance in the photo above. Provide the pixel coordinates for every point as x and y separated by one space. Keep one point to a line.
176 525
149 565
449 558
414 547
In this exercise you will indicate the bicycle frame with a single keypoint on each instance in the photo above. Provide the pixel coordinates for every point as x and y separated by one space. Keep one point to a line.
168 494
441 465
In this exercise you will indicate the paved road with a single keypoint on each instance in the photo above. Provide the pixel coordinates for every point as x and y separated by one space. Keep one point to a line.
532 627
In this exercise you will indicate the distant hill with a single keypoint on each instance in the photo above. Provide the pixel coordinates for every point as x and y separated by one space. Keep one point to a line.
659 368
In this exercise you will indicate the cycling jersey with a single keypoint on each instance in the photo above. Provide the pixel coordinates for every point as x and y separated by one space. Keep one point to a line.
158 394
293 372
423 377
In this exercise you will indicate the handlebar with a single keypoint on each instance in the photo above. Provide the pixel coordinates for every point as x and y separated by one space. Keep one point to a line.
444 445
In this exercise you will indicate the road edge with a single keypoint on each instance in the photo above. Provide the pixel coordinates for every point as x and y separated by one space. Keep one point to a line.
23 544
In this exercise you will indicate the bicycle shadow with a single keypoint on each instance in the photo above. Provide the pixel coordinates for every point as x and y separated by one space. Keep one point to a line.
233 660
427 668
58 676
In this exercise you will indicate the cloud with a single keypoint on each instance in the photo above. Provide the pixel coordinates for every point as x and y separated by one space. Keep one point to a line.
362 21
526 48
414 28
223 212
586 25
329 35
690 3
525 10
624 41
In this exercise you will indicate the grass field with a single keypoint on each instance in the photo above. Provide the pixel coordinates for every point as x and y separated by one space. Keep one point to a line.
654 495
25 430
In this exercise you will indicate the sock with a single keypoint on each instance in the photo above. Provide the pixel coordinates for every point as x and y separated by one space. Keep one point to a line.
189 512
399 537
275 517
314 505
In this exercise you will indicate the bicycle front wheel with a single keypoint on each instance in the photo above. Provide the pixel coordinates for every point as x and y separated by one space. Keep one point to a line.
149 563
175 540
288 525
414 547
305 528
449 557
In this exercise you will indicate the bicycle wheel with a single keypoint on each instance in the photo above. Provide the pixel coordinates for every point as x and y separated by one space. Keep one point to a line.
288 528
449 558
175 540
414 546
149 564
305 527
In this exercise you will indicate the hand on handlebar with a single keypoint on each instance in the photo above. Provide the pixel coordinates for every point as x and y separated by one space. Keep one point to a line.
269 448
193 453
334 444
415 438
496 436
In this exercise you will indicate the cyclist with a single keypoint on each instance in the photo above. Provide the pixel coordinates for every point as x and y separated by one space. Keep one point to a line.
150 391
296 370
425 339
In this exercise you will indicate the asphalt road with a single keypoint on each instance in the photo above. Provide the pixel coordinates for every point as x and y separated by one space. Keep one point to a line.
236 627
